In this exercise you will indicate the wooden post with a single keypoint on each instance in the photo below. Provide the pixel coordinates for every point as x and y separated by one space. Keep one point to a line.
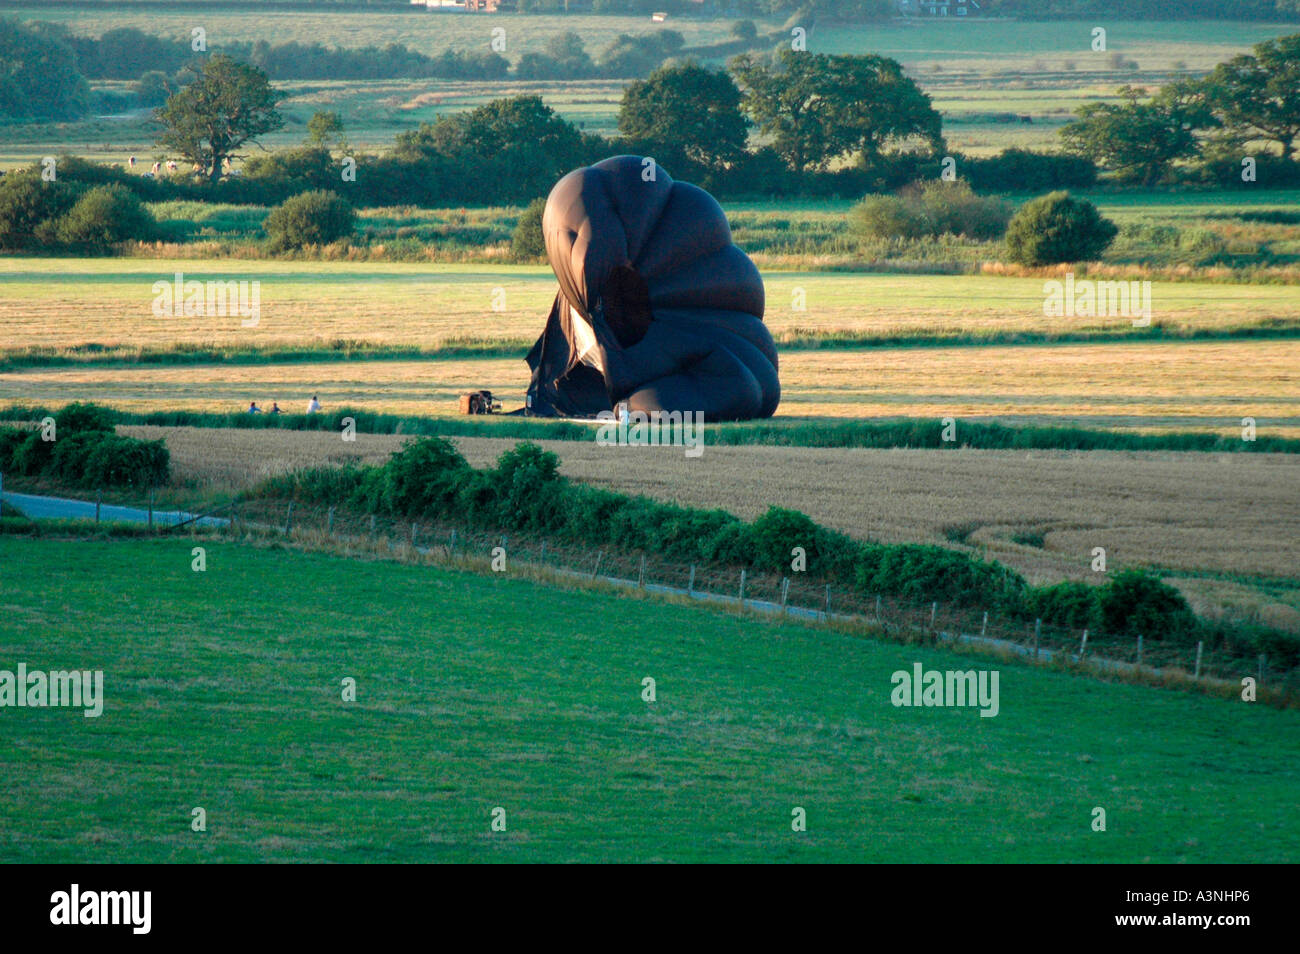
1083 646
742 589
1261 669
984 626
2 495
785 593
827 612
99 497
596 568
288 519
640 577
690 587
150 508
1199 647
329 527
413 532
541 557
1038 630
452 545
372 526
877 609
1139 649
934 610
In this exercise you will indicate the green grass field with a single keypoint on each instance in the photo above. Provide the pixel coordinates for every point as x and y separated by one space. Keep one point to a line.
482 691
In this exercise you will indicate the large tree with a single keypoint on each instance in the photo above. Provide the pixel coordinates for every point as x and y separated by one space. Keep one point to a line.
1257 95
1140 141
818 108
38 74
687 108
229 104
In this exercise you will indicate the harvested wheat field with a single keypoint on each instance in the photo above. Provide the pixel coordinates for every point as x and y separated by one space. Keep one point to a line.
1223 514
1142 385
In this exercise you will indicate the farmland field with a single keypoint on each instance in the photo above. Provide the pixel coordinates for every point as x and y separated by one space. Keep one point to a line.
238 711
1225 526
1149 386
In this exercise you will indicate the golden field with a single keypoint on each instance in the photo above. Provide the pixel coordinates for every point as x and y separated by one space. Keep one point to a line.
56 303
1207 517
1140 385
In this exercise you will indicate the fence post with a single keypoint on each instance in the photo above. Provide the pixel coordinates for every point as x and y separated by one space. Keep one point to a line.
640 576
690 587
2 495
541 558
1083 646
1139 649
1199 647
413 533
742 589
372 526
596 568
785 593
99 497
934 610
1261 669
984 626
1038 629
451 547
288 519
877 609
329 526
150 508
827 612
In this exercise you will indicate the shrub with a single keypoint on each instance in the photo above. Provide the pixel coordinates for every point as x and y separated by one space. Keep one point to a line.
311 218
1138 602
932 208
527 242
71 452
923 572
11 438
102 217
1020 170
77 417
525 483
776 533
1058 228
422 478
25 203
115 461
1072 604
33 455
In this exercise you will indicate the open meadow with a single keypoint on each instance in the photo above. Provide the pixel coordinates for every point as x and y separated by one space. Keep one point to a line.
540 713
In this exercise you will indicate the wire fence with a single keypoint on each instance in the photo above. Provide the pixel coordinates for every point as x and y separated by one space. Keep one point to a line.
793 595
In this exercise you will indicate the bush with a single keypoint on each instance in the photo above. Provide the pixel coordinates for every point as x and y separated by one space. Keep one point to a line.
932 208
311 218
1137 602
1058 228
776 533
422 478
71 451
11 438
33 455
25 203
1071 604
1019 170
923 572
102 217
77 417
527 242
114 461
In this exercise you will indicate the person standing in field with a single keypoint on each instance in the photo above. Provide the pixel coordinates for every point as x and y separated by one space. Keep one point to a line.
275 408
253 408
313 406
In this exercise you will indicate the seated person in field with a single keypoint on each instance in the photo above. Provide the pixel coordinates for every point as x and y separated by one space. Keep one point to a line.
313 405
275 408
253 408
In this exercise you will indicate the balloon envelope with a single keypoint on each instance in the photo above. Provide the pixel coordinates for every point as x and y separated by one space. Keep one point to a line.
657 306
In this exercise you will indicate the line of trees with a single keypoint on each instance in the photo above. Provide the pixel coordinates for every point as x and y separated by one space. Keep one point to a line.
1241 121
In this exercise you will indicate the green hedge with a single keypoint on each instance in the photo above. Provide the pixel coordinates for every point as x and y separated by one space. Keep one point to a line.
85 452
525 492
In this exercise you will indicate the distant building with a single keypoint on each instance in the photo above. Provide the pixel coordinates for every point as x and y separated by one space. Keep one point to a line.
658 17
471 6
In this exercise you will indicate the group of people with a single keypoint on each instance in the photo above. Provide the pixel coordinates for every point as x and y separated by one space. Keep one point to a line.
313 407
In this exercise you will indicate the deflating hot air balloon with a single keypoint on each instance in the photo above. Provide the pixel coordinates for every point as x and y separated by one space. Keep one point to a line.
657 306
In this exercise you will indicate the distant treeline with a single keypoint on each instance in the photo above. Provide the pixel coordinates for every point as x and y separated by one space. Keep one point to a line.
129 54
